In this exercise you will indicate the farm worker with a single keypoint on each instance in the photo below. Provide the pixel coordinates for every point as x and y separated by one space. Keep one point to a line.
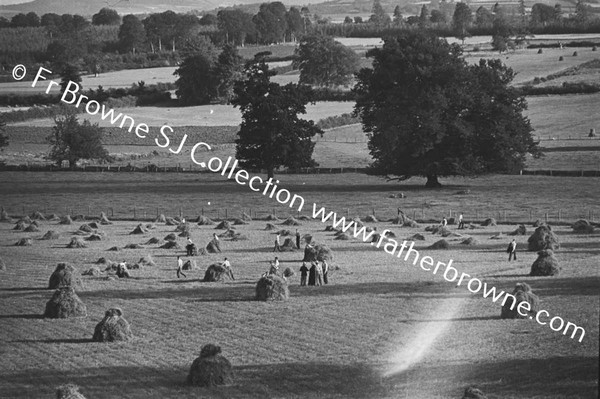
215 237
227 266
303 274
325 271
122 270
312 273
318 274
461 223
444 222
180 267
512 250
274 266
277 244
297 239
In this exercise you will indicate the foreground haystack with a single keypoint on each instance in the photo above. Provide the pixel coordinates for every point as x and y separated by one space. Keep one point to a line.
139 229
288 272
545 265
24 242
204 221
582 226
64 275
288 245
489 222
224 225
113 327
473 393
441 244
213 247
68 391
64 304
522 293
210 368
160 219
51 235
272 288
543 238
76 242
317 252
217 272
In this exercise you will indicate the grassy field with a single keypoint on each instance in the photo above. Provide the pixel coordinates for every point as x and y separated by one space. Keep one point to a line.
351 338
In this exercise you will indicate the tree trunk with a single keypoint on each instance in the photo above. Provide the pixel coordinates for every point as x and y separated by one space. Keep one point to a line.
270 172
432 182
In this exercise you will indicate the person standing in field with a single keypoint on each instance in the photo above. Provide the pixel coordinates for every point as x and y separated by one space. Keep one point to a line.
444 222
180 267
318 274
277 243
325 271
303 274
461 223
297 239
512 250
312 273
227 266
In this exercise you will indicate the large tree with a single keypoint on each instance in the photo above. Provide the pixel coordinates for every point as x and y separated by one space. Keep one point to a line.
461 20
429 113
379 17
325 62
271 134
131 33
271 22
236 24
228 70
106 16
197 83
70 73
72 141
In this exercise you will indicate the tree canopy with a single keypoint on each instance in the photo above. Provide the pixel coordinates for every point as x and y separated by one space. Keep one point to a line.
429 113
271 134
131 33
72 141
322 61
106 16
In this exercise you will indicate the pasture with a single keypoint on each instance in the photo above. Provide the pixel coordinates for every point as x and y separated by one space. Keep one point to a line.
367 334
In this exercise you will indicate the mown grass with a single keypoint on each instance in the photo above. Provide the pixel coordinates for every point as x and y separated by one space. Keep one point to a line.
333 341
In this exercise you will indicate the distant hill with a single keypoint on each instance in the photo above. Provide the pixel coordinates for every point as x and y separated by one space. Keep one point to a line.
90 7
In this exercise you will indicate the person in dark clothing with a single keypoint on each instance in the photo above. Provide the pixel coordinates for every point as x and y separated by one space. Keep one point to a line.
297 239
512 250
312 274
180 267
325 271
303 274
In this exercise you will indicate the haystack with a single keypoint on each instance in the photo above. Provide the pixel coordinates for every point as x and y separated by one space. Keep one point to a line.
543 238
114 249
37 215
307 238
519 231
139 229
94 237
2 264
469 241
213 247
489 222
229 233
32 228
284 232
545 265
272 288
80 233
76 242
171 237
474 393
133 246
113 327
416 237
371 219
224 225
538 223
182 227
288 272
317 252
24 242
210 369
35 223
85 227
402 219
68 391
104 219
204 221
4 216
78 217
170 245
64 304
189 265
291 221
304 218
171 222
441 244
92 271
93 225
270 226
342 236
160 219
53 217
145 260
153 240
102 261
216 272
19 226
288 245
522 293
66 220
582 226
246 217
64 275
26 220
239 222
186 231
330 228
271 218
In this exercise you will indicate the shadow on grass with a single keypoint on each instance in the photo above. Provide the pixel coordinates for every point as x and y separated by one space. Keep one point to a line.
299 380
21 316
16 289
57 341
553 286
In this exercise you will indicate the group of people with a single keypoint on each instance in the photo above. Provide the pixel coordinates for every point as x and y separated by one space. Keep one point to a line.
226 264
317 274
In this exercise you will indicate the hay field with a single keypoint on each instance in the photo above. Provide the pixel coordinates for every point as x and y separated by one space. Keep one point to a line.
342 340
